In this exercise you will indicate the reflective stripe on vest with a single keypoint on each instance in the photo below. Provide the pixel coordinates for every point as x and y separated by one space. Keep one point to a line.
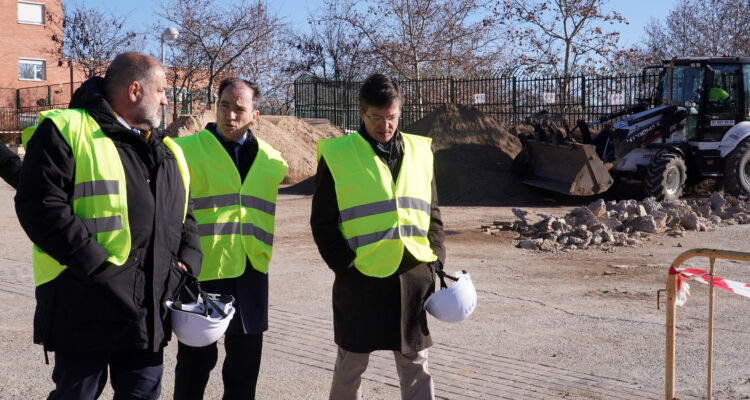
378 217
99 191
183 167
235 217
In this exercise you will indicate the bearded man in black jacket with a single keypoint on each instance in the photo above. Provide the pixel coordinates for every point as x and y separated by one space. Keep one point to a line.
103 199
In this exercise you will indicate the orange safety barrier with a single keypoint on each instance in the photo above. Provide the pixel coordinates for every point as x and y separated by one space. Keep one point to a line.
712 255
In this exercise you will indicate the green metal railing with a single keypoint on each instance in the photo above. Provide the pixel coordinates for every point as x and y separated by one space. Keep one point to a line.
508 98
19 108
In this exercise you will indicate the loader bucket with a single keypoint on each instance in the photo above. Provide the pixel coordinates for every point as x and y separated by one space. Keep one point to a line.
570 168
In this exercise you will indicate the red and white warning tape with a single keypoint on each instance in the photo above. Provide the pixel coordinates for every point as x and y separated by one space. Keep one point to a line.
683 289
11 131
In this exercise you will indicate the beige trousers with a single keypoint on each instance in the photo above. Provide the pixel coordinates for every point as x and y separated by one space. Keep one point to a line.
416 382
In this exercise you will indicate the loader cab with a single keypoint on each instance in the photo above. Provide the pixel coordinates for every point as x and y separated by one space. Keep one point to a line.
723 98
713 90
686 90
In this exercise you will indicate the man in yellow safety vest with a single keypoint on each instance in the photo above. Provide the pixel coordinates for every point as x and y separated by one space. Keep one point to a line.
235 178
105 201
376 222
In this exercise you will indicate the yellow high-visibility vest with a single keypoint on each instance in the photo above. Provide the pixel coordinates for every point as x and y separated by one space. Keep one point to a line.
99 195
379 218
235 218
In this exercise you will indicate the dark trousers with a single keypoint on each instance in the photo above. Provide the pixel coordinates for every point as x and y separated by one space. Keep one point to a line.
239 373
81 375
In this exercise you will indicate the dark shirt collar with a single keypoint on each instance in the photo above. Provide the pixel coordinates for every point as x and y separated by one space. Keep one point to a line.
377 146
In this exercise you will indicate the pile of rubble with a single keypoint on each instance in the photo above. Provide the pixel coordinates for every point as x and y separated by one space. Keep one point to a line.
604 225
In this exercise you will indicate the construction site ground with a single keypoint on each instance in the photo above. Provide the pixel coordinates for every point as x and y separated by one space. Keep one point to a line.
573 325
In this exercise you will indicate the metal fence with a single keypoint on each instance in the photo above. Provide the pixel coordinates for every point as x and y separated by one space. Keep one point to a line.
19 108
508 98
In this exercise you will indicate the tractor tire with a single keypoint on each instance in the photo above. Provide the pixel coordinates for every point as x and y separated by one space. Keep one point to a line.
665 177
737 170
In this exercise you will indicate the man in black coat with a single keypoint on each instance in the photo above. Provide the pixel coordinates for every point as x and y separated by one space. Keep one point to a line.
102 306
379 312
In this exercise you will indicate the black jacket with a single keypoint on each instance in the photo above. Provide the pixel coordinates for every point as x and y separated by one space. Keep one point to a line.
92 304
375 313
10 165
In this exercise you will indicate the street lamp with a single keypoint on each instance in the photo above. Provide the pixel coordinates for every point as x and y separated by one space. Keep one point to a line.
168 35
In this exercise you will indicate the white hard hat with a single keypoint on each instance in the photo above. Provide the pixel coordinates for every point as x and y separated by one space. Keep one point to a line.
455 303
202 322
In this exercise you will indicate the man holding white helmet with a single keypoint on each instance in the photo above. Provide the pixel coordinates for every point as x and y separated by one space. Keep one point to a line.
105 200
376 222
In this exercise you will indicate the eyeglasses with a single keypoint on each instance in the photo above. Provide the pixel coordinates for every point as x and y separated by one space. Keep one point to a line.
379 119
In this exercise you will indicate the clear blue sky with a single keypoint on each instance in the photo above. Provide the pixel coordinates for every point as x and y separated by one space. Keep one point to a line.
142 12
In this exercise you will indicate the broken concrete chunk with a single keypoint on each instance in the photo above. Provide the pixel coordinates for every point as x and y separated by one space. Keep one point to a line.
643 224
527 244
689 222
598 207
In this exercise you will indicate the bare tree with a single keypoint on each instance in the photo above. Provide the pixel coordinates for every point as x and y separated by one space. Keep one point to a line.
184 71
562 36
91 37
221 34
699 28
413 36
266 63
631 60
332 49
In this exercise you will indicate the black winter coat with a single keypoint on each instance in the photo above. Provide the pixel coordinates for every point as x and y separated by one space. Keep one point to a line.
375 313
92 304
10 166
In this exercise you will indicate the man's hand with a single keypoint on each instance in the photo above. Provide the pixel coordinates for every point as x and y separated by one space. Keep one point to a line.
182 266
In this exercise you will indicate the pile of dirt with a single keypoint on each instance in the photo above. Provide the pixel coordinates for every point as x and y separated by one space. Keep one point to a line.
322 125
186 125
473 154
295 139
292 136
325 126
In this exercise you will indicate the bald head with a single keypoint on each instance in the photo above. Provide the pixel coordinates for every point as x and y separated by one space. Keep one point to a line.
126 68
135 84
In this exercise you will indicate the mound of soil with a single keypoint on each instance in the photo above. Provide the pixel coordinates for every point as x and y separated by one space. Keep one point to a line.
292 136
473 154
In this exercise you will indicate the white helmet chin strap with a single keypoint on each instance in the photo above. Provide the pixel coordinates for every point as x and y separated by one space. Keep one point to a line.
442 275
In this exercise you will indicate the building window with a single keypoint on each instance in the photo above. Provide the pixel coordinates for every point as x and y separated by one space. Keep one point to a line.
31 70
30 13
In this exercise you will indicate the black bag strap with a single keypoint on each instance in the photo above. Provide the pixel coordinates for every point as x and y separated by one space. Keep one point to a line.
185 283
210 301
441 274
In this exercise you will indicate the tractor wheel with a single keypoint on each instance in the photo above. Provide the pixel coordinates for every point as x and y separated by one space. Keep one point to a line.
665 176
737 170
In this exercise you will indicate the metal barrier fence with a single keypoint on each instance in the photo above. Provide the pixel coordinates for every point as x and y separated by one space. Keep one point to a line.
671 320
509 98
19 108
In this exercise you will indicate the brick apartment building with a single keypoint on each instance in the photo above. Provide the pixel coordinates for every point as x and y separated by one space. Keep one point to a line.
28 55
32 75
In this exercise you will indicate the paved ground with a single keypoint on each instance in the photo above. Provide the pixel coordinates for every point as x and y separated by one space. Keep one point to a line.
575 325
